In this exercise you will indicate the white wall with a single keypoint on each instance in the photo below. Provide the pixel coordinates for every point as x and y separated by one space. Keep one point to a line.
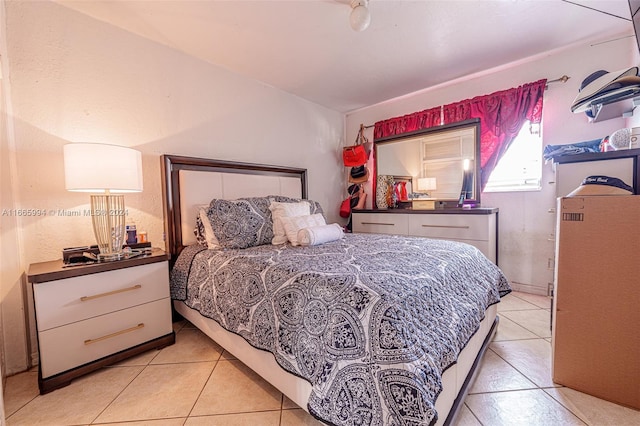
525 224
13 345
77 79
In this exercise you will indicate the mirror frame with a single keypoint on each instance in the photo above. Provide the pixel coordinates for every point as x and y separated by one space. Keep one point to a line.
438 130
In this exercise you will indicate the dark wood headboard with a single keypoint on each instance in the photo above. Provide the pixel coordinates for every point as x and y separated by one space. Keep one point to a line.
171 191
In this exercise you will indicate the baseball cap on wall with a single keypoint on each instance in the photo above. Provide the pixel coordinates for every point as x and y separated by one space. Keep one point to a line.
601 185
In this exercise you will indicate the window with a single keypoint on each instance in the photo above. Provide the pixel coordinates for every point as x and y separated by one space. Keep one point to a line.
520 168
443 157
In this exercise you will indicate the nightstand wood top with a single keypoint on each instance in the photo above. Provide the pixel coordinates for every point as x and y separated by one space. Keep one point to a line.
57 270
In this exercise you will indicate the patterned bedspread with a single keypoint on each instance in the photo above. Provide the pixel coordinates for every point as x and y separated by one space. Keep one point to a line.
371 321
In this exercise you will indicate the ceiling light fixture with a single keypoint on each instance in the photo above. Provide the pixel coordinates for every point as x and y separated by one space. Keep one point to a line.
360 17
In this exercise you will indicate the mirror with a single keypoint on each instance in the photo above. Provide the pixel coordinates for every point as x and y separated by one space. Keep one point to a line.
440 165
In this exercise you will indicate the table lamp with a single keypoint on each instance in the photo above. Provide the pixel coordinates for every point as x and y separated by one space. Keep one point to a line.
104 170
427 184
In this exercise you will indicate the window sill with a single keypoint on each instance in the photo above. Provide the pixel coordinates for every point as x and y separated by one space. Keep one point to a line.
514 189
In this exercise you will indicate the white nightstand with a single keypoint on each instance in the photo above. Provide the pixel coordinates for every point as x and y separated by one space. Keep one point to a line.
94 315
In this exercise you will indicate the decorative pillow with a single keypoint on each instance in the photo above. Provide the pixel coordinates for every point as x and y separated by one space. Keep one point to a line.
279 210
241 223
316 235
294 224
210 239
315 206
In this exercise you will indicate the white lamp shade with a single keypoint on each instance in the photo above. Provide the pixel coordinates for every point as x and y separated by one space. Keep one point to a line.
427 184
92 167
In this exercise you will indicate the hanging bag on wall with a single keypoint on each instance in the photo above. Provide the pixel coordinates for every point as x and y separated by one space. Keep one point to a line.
345 207
356 154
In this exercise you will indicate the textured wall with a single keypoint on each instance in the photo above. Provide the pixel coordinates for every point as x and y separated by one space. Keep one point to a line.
75 79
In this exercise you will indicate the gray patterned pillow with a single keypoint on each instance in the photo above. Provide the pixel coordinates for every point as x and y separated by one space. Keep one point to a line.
241 223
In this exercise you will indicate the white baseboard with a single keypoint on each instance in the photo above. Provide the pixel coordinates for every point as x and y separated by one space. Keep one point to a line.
528 288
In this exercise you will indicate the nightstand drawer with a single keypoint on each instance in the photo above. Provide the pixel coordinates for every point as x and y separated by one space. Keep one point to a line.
64 348
381 223
74 299
451 226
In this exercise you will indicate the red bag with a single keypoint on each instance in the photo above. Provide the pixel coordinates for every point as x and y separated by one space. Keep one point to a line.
345 208
354 155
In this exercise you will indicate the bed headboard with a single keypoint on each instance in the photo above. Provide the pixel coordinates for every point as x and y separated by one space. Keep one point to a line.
189 182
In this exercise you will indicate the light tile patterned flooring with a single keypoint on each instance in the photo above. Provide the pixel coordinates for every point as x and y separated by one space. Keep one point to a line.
195 382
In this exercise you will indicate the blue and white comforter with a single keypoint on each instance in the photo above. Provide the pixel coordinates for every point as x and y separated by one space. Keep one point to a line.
371 321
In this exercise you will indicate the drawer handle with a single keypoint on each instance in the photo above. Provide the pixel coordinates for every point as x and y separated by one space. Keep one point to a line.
446 226
109 293
377 223
117 333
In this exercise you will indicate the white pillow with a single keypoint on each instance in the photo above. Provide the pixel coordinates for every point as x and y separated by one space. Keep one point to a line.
279 210
212 241
294 224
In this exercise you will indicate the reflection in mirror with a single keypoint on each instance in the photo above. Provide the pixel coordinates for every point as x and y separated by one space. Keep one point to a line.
443 162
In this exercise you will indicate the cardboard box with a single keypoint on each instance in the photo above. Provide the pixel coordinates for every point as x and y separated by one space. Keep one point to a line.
596 326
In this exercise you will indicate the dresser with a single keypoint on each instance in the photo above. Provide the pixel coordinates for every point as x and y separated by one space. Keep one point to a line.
94 315
478 226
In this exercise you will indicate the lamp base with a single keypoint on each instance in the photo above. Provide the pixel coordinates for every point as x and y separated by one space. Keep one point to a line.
108 216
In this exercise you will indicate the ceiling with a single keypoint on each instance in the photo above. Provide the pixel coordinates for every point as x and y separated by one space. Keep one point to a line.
307 48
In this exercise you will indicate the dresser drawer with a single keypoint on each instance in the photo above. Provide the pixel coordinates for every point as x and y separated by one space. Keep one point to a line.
74 299
72 345
380 223
452 226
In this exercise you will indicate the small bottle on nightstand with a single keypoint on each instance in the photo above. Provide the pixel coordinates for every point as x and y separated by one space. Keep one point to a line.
132 237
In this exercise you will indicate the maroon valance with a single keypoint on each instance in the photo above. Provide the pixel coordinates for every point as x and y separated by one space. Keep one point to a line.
501 115
408 123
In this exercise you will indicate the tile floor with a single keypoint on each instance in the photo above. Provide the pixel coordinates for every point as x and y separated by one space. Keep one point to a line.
195 382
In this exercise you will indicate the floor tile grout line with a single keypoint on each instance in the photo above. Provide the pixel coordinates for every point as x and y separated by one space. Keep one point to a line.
23 405
281 407
119 393
514 367
560 402
503 317
530 331
231 413
535 387
472 413
195 402
531 303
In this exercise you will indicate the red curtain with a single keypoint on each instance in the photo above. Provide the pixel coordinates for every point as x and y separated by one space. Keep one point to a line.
501 115
408 123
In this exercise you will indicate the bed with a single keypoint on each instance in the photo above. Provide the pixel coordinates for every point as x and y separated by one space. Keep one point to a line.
365 329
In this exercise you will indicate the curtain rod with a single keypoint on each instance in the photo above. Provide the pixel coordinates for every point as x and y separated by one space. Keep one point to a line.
562 79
